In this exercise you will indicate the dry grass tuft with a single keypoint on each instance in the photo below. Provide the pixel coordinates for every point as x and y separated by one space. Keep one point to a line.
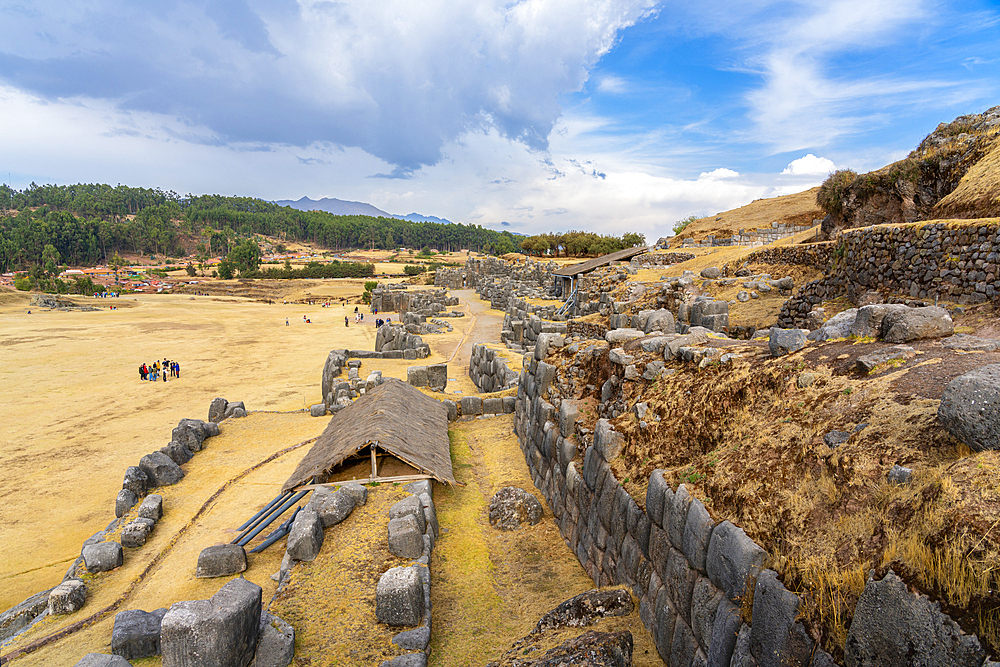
748 442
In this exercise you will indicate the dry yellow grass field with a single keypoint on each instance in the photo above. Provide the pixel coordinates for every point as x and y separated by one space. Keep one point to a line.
162 572
76 413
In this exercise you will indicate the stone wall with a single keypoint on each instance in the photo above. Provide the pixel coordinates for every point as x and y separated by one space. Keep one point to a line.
688 573
819 255
522 324
397 299
954 262
499 280
489 371
455 278
648 260
397 336
751 237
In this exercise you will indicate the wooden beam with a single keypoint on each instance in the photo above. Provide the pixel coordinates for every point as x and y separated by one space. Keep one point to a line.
365 480
374 462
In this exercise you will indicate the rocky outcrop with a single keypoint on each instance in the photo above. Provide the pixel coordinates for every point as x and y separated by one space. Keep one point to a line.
909 190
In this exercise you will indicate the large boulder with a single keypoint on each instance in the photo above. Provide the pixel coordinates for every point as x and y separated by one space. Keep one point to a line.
902 326
102 556
622 336
20 615
219 632
151 507
332 506
217 410
437 377
868 323
178 453
125 501
405 537
471 405
411 505
416 376
786 341
660 320
160 469
607 441
221 560
399 597
335 362
136 481
306 537
838 326
775 637
733 560
511 506
970 408
892 626
67 597
276 642
235 409
136 633
135 532
190 432
711 272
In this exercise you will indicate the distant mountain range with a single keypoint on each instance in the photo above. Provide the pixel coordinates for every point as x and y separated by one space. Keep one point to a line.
341 207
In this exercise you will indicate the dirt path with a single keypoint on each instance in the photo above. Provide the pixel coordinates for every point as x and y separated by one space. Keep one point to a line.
485 327
491 587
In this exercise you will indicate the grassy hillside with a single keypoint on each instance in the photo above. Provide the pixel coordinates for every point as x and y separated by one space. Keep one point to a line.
799 209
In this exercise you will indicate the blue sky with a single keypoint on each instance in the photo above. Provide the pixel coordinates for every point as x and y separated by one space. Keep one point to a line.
611 115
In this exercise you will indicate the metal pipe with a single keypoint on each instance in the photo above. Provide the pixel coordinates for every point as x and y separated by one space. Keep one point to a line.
261 518
282 530
270 519
263 511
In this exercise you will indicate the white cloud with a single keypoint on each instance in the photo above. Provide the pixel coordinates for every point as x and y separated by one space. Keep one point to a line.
718 174
809 165
805 100
614 85
397 78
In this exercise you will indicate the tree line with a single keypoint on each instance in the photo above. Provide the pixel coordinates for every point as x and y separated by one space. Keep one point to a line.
88 223
578 244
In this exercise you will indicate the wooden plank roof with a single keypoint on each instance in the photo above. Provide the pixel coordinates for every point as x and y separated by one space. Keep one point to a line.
597 262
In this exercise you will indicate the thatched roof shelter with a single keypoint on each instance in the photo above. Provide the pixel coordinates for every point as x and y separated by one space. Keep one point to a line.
597 262
395 417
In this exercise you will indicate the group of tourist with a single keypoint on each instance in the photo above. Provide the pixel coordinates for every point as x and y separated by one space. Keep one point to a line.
158 369
380 322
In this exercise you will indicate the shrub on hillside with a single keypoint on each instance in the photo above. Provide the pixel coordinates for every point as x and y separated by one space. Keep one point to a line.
830 197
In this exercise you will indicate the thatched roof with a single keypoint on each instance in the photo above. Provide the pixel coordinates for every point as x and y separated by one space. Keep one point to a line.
403 421
603 260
